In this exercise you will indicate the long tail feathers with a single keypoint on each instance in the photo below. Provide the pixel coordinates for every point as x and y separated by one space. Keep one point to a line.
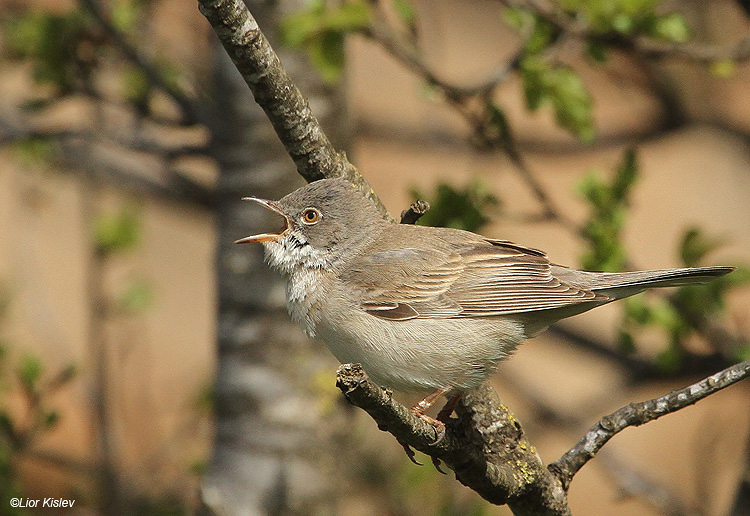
623 284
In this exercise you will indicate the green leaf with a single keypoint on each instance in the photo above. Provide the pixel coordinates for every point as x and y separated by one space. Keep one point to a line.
34 150
124 14
49 41
459 208
723 69
625 176
405 10
320 31
136 85
625 342
137 297
696 245
671 27
327 55
116 232
597 51
29 372
561 87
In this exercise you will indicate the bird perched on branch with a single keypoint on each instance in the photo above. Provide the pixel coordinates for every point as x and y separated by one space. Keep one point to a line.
423 308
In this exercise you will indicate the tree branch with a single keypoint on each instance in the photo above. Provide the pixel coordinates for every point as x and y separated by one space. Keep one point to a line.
414 212
186 105
636 414
485 446
286 108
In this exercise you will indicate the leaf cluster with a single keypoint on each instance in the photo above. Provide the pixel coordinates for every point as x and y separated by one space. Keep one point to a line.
52 42
320 29
461 208
608 202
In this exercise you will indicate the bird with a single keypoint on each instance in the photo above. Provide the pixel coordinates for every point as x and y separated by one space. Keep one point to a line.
426 309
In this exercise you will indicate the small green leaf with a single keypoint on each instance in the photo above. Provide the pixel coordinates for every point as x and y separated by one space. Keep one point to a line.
327 55
137 297
696 245
49 419
136 85
116 232
124 14
564 90
723 69
405 10
671 27
670 360
320 31
29 372
597 51
625 342
34 150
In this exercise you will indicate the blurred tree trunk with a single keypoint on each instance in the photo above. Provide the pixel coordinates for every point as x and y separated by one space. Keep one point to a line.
268 446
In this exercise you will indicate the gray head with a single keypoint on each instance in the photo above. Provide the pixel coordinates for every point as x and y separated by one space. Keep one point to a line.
325 221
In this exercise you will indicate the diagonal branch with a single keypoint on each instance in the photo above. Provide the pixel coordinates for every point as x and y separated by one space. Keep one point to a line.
636 414
485 447
286 108
186 105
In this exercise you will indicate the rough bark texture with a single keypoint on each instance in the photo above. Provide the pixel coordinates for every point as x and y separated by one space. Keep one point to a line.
267 450
286 108
485 446
636 414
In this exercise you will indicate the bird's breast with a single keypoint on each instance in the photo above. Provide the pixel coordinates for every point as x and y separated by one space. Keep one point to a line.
304 290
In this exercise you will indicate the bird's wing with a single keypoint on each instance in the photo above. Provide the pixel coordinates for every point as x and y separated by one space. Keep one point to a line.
479 278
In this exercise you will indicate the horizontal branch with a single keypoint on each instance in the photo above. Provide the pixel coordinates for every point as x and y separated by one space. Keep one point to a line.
636 414
284 105
485 447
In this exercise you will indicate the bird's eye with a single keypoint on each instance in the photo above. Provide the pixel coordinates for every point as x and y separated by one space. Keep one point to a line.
310 216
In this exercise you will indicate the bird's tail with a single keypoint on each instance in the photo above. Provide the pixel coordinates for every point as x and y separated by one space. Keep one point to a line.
623 284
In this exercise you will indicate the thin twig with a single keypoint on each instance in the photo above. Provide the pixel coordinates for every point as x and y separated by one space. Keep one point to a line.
636 414
414 212
186 105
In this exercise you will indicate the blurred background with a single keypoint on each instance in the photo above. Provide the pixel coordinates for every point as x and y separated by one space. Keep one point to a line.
149 366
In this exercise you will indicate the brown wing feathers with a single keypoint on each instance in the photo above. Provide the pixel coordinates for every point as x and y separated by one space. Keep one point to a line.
466 281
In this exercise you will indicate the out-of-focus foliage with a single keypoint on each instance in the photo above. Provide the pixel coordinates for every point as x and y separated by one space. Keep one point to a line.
629 17
678 316
547 81
320 30
115 232
52 42
461 208
608 203
18 432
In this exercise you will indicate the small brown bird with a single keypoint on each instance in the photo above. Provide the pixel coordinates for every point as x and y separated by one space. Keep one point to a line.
423 308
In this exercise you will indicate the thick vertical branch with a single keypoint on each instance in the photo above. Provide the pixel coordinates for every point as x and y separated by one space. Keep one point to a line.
286 108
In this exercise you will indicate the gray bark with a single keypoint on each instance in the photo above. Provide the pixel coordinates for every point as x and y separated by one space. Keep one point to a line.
268 442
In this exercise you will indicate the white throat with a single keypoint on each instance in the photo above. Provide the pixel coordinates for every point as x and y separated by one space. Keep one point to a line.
304 266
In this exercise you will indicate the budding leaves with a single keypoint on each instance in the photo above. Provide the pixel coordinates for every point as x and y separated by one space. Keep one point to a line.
461 208
320 30
608 202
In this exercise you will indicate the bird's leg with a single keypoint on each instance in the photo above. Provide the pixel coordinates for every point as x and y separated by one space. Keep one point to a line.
420 408
450 405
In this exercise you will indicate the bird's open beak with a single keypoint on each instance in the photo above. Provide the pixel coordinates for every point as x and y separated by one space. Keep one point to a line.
265 237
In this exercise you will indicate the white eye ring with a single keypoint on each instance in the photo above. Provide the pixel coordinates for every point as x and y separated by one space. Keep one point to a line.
311 216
